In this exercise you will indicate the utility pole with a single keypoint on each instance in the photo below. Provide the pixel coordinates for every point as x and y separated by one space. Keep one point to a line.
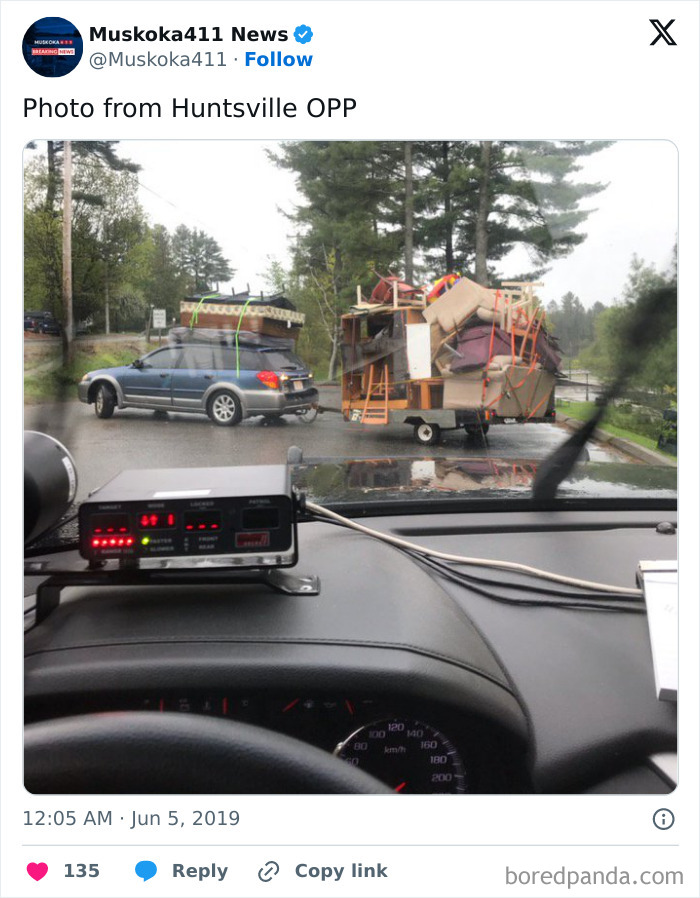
106 298
67 285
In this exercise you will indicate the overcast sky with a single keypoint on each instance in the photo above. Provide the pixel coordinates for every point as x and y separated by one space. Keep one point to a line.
232 191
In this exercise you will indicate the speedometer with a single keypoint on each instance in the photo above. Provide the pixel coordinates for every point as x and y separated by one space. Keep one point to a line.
407 755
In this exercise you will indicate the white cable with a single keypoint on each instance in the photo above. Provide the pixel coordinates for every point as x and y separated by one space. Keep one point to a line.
478 562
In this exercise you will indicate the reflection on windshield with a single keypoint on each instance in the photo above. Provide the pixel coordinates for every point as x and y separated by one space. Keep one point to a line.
409 479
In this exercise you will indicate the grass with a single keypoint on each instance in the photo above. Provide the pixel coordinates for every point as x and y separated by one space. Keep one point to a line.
58 384
582 411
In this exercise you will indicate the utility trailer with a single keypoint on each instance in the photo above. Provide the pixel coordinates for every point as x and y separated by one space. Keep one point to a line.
470 358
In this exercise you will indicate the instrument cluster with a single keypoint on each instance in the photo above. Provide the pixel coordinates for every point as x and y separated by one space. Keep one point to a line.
412 748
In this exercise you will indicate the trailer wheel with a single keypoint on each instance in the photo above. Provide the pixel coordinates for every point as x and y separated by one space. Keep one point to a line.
426 434
473 430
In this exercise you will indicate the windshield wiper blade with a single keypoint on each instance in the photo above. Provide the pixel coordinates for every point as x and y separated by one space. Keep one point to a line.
653 315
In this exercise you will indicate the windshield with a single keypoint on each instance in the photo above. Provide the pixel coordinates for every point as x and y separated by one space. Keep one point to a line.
425 320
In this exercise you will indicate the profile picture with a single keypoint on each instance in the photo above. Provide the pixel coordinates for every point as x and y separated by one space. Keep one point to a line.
52 47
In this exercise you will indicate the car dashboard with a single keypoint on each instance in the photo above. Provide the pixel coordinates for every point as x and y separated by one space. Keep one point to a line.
428 684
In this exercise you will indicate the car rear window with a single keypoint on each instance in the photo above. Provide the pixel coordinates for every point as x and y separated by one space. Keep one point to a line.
281 360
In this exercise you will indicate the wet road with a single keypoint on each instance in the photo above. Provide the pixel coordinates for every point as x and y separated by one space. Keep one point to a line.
141 439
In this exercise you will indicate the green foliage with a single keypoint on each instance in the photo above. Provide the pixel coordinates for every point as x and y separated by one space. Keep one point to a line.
572 324
198 258
611 347
313 296
59 383
346 226
465 214
119 261
529 200
631 422
354 202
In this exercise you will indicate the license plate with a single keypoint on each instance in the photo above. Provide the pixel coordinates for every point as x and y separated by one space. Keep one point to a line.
298 385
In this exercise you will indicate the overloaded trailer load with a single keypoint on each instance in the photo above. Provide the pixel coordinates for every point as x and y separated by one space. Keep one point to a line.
458 355
272 316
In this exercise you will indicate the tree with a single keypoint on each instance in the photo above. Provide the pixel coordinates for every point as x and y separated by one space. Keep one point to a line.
67 256
611 348
59 182
118 225
101 151
444 177
162 284
199 257
351 222
436 206
497 195
408 212
349 210
462 205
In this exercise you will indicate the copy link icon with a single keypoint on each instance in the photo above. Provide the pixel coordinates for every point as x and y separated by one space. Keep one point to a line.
268 871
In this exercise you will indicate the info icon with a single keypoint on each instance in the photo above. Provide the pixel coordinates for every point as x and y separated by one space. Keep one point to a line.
52 47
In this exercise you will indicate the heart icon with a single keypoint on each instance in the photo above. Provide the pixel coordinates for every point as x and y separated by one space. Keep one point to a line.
37 871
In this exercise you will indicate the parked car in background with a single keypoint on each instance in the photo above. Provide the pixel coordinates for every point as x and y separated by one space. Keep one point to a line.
42 322
224 382
48 326
32 319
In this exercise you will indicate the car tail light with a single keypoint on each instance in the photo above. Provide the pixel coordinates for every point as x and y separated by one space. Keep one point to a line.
269 378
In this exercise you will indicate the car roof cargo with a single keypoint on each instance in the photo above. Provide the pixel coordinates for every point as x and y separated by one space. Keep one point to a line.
273 316
276 300
220 337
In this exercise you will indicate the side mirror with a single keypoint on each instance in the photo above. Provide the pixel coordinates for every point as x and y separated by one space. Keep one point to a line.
137 363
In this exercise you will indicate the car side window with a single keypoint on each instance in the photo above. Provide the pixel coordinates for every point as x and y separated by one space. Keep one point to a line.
225 359
163 358
199 358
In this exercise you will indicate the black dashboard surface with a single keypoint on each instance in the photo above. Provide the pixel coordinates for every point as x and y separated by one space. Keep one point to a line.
570 693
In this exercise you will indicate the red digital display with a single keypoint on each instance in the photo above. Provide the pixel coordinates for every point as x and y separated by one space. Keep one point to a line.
202 521
252 540
109 524
152 520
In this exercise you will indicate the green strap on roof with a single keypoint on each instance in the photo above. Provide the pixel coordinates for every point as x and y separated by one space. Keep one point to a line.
240 320
195 313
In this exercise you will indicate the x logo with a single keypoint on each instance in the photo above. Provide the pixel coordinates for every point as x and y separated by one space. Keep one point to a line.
663 32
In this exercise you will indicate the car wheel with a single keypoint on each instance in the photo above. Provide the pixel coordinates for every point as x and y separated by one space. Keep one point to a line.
224 409
105 401
426 434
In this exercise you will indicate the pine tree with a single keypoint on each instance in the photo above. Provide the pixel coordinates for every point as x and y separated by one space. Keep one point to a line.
199 257
485 198
349 212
